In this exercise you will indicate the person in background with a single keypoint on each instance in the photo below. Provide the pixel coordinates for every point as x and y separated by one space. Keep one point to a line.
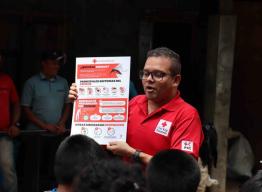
44 98
10 114
172 171
46 108
132 90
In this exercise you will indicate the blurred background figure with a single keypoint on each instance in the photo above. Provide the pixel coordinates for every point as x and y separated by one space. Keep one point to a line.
10 114
44 97
46 108
132 90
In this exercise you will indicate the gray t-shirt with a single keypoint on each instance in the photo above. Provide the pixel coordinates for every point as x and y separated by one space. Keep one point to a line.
46 97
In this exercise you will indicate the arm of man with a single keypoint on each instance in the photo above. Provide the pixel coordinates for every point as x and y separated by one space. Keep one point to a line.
64 117
13 130
35 120
123 149
188 135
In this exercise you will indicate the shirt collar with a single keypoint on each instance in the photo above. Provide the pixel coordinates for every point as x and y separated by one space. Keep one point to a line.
173 102
43 77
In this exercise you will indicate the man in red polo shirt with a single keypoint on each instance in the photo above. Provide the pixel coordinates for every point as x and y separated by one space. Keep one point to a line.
160 119
10 113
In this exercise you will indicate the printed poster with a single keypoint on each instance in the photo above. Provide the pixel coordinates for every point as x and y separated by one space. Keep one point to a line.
101 110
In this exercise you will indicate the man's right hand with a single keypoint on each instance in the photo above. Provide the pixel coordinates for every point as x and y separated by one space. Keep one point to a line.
73 92
52 128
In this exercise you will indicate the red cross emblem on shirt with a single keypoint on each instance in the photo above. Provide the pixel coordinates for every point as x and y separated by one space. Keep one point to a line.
164 124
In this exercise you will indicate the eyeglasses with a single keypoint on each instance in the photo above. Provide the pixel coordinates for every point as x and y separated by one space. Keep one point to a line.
156 75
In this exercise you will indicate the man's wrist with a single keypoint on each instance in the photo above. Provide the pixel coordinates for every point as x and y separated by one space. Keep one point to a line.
131 152
136 156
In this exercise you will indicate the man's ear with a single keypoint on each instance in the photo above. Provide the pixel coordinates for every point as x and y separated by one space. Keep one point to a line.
176 80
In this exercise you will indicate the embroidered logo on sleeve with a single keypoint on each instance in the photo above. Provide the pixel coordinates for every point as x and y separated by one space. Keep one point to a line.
163 127
187 146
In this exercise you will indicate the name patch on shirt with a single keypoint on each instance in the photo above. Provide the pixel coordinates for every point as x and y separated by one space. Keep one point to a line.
187 146
163 127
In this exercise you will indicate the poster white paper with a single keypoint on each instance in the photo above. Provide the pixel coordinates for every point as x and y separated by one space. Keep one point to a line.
101 110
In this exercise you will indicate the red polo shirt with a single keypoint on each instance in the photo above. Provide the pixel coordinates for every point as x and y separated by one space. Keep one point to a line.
8 95
176 125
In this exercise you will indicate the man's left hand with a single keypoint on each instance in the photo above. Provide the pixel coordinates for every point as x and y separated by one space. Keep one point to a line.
60 128
120 148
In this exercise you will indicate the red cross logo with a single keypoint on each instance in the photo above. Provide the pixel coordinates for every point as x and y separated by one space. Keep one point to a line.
94 60
164 124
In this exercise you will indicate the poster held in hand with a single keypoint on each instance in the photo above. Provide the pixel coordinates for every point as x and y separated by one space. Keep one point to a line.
101 110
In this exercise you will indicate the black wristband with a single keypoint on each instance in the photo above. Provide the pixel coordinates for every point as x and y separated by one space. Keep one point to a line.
136 156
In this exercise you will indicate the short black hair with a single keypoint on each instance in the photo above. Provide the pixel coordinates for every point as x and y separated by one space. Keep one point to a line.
113 175
73 154
173 171
168 53
254 184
